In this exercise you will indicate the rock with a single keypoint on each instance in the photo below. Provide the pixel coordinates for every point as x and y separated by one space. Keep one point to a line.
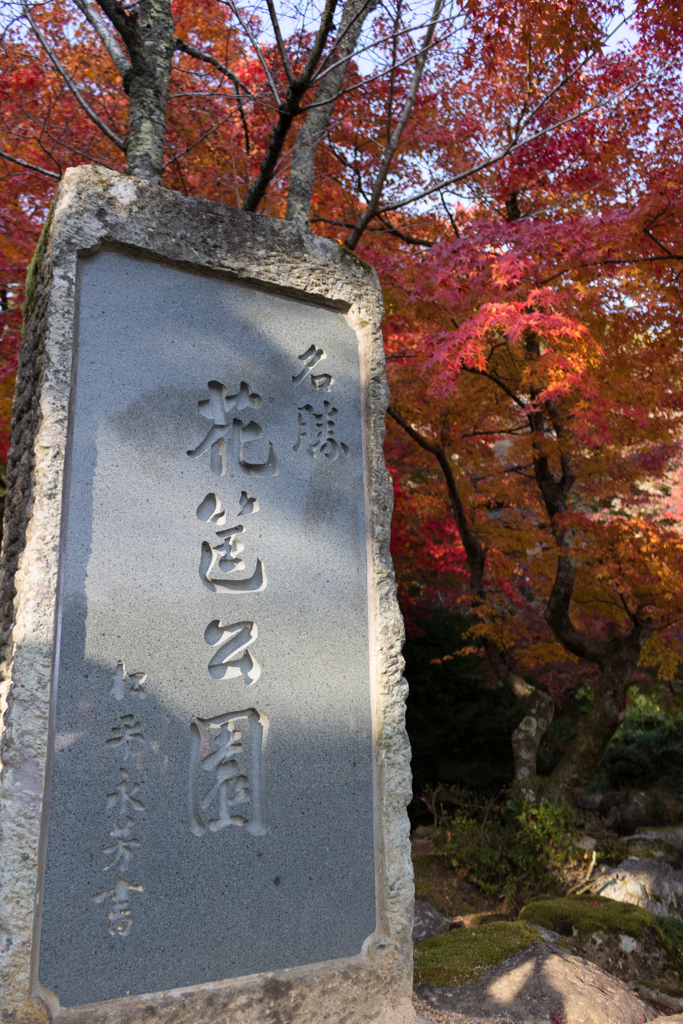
545 933
662 1000
590 801
428 922
651 884
619 938
460 956
628 811
651 848
676 1019
537 983
657 844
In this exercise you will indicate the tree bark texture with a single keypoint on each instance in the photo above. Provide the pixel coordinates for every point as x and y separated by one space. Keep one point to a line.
539 709
317 121
604 717
148 35
289 109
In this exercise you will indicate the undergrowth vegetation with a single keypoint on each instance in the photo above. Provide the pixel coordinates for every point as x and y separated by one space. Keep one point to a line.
508 848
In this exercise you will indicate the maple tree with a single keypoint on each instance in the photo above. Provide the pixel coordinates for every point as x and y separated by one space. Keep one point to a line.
513 173
545 386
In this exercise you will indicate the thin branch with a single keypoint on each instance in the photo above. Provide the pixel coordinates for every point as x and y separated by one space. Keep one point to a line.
193 145
449 215
392 76
323 69
304 79
71 85
369 81
109 42
393 142
208 58
371 46
495 379
28 166
263 62
403 235
509 150
278 38
474 549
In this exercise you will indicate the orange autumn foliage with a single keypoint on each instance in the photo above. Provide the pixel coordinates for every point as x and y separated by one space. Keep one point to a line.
534 304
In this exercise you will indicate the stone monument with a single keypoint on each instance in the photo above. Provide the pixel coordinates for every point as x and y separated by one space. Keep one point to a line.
206 769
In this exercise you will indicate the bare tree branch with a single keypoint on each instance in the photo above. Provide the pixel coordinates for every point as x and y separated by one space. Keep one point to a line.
278 39
289 110
28 166
71 85
257 49
106 38
193 145
208 58
395 138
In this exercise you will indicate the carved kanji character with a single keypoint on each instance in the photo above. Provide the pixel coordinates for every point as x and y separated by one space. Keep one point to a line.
225 427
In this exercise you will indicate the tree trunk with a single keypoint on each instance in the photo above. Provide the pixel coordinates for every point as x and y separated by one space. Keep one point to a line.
148 35
151 67
604 717
539 709
317 122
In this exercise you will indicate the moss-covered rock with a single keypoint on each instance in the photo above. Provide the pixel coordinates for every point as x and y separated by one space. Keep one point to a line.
582 916
622 939
464 954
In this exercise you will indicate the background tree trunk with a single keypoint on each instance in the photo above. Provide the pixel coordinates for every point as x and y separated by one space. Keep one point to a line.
317 122
605 715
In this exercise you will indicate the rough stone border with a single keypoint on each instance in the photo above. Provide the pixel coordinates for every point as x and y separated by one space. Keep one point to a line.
100 209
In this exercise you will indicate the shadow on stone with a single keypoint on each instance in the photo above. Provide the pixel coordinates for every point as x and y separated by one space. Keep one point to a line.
536 984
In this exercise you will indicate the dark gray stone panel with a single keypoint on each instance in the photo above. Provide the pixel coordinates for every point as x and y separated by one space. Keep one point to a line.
227 854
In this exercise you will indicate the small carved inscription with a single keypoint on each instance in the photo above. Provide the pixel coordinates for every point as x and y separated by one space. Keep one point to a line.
227 772
123 846
125 803
124 797
122 683
219 407
233 659
316 432
120 916
126 734
248 505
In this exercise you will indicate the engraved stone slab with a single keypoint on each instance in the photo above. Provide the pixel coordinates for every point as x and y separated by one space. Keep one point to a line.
214 562
226 770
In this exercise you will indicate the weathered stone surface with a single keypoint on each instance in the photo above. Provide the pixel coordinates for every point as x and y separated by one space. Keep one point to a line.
628 810
662 1000
195 258
656 843
651 884
539 982
546 934
428 921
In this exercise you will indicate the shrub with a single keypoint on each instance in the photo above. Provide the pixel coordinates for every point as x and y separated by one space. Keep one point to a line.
510 849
